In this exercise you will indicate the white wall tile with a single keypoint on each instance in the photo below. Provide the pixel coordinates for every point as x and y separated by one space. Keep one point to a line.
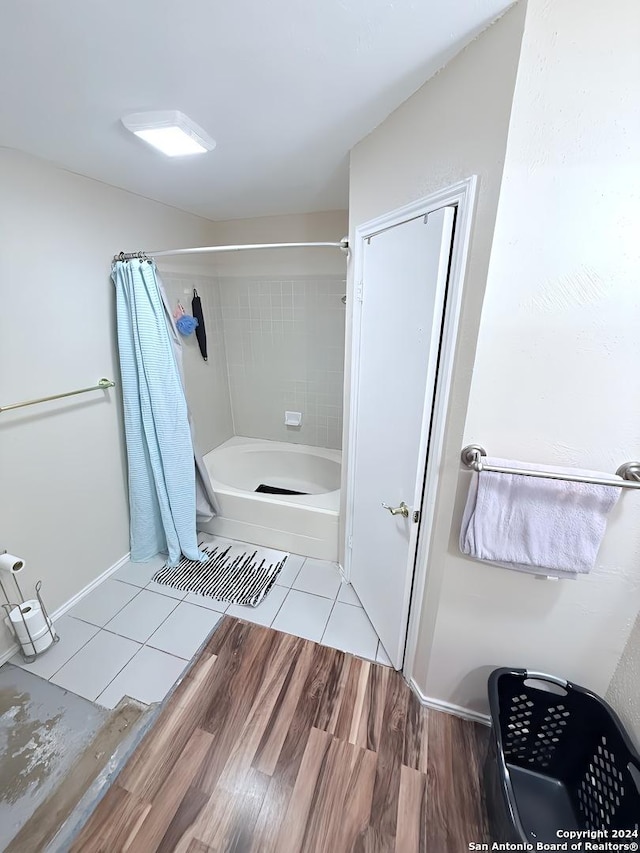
285 352
274 345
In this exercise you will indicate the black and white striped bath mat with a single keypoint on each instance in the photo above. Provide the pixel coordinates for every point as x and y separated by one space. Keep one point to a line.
231 572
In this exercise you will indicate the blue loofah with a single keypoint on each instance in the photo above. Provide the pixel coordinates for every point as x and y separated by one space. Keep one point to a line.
186 324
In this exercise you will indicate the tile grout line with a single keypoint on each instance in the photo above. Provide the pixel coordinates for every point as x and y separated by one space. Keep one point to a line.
146 643
99 627
118 672
114 634
279 609
208 609
115 676
77 650
142 645
143 642
158 649
119 609
329 617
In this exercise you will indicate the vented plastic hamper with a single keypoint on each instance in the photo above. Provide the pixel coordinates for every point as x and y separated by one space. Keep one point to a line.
557 760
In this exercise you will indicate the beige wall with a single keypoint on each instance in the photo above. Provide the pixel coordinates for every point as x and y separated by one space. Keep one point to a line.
558 333
330 226
554 376
453 127
63 497
624 690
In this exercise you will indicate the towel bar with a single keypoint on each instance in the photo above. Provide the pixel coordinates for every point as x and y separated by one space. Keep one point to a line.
628 473
101 385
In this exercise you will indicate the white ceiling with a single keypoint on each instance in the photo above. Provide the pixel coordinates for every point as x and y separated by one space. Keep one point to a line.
286 87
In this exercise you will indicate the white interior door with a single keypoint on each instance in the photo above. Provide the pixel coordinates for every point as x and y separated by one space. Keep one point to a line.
404 285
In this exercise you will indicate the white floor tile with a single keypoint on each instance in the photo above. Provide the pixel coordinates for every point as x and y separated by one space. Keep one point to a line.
185 630
382 657
73 635
348 595
303 615
147 677
207 540
96 664
104 602
290 570
318 577
140 618
139 574
265 612
349 630
169 591
206 601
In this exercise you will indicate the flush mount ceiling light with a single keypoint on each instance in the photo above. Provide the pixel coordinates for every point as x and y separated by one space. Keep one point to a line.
170 131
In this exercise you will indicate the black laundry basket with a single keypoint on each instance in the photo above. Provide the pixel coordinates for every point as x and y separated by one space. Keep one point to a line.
557 760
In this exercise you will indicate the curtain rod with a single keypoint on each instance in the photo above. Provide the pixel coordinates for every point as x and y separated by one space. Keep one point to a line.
128 256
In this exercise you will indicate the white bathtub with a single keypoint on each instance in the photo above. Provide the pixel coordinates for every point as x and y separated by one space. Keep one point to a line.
304 524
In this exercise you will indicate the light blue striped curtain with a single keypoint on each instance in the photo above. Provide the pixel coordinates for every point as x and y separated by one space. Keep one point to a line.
162 474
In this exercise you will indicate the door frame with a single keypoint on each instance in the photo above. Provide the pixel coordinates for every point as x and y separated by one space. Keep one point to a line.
462 196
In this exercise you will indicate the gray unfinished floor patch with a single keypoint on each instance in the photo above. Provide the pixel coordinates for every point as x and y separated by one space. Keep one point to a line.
43 729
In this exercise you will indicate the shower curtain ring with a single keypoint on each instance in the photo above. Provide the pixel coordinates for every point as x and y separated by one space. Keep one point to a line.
122 257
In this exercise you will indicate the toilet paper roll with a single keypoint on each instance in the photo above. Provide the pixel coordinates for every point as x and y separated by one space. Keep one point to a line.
39 642
28 618
10 563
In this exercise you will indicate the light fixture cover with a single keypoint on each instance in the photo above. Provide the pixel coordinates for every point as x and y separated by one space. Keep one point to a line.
170 131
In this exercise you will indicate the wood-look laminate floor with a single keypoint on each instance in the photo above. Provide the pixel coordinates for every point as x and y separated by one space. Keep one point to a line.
274 744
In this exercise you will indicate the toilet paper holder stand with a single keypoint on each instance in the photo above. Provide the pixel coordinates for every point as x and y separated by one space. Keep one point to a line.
10 605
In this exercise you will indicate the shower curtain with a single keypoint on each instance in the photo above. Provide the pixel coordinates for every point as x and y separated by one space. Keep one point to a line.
167 482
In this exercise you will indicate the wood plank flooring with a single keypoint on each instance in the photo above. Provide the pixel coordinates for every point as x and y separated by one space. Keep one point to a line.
273 744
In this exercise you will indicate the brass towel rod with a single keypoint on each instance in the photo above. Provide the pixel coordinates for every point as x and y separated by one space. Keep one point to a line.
101 385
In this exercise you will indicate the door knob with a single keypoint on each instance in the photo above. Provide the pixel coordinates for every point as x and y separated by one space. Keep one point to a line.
402 510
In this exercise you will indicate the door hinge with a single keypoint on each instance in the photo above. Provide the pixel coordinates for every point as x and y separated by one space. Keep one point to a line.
350 542
416 516
360 291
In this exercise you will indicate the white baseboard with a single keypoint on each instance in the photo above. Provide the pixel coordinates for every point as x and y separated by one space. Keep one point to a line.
88 588
448 707
5 656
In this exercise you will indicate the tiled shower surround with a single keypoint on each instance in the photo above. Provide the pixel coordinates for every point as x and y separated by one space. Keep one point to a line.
284 342
283 350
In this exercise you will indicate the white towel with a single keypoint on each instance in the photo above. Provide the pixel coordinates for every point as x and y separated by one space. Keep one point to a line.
542 526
